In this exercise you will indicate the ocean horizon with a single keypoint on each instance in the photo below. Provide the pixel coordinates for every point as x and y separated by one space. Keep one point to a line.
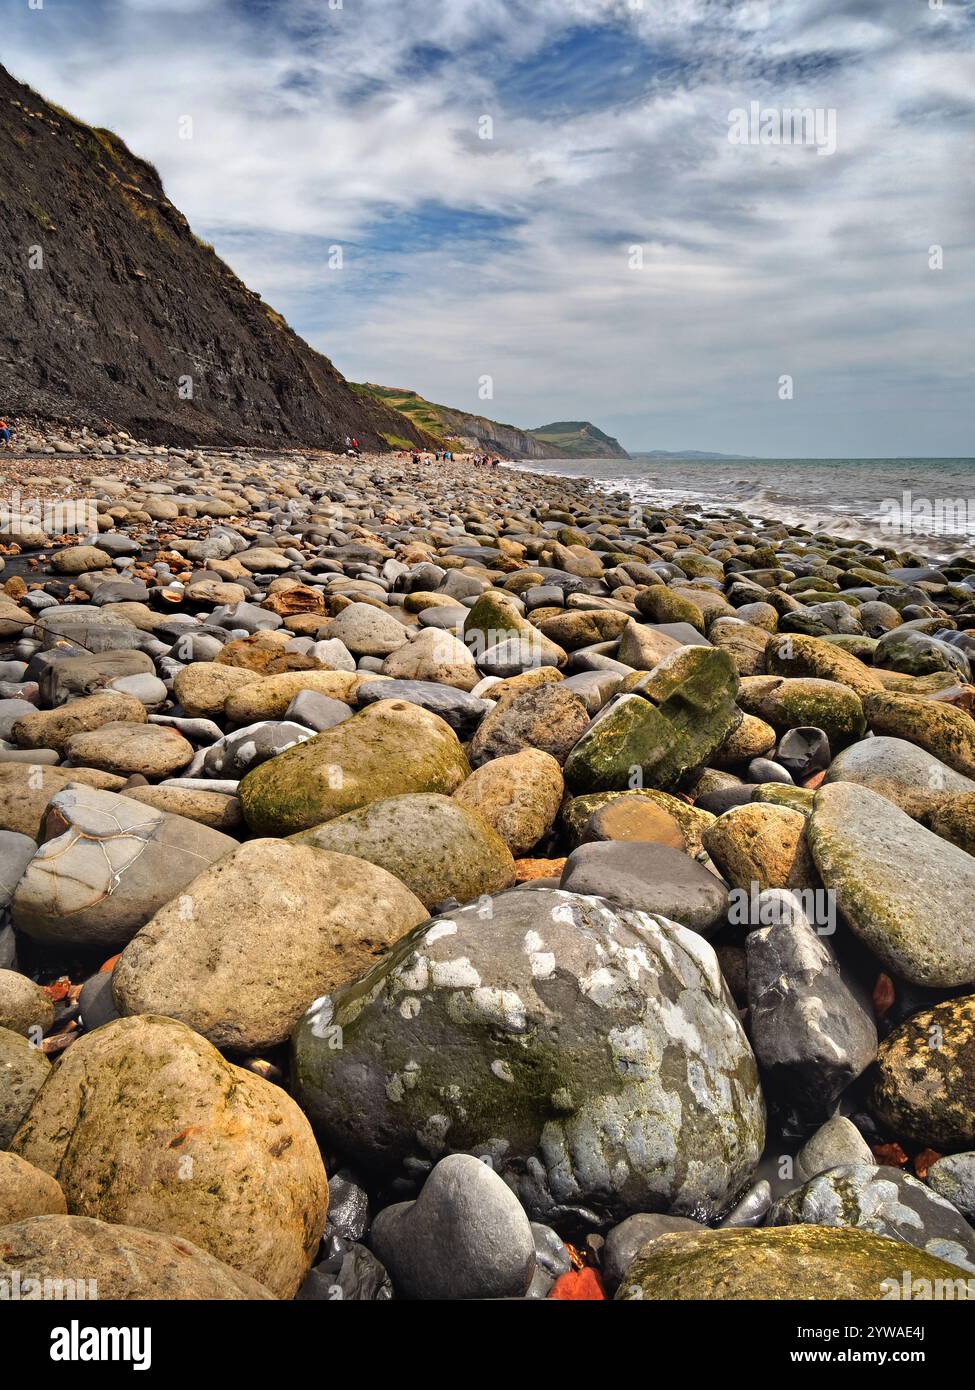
921 504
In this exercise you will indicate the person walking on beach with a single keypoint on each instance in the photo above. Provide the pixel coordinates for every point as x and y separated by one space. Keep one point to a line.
6 435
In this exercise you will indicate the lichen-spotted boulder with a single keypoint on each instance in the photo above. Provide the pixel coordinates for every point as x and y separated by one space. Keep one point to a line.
83 1258
143 1123
885 1201
924 1085
785 1262
594 1053
387 749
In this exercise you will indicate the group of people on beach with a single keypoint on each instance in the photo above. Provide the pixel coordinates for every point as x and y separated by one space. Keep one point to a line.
449 456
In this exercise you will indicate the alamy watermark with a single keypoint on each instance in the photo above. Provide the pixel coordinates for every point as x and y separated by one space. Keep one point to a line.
784 125
908 515
57 516
17 1287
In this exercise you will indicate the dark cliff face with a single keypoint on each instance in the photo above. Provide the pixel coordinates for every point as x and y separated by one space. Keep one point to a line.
111 310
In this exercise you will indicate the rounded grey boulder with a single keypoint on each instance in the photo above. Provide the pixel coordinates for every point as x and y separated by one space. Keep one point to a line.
465 1236
592 1052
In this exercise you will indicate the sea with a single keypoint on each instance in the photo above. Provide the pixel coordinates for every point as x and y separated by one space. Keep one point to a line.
922 505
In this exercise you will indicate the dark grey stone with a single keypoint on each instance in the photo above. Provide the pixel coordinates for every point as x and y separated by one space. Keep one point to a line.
651 878
811 1035
465 1237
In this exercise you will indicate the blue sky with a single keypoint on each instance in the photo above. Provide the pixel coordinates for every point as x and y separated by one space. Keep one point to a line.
360 126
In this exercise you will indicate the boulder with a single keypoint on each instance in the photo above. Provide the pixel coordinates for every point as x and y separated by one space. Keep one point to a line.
943 730
593 1053
387 749
811 1036
783 1263
150 749
27 788
886 1202
250 941
146 1124
53 728
107 864
23 1071
24 1007
761 846
903 890
924 1083
684 711
465 1237
368 631
26 1191
437 846
901 771
117 1262
518 795
202 687
433 656
547 717
651 878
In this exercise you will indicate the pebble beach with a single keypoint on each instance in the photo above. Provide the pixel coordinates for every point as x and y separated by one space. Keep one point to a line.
436 881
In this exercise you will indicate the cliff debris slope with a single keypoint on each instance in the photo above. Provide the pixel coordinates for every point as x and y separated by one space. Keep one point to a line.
112 310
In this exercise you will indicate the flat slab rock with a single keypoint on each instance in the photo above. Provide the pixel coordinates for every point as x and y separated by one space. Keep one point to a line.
906 893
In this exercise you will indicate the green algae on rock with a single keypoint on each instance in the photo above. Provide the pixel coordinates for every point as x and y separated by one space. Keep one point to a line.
680 713
924 1080
904 891
388 749
785 1262
434 844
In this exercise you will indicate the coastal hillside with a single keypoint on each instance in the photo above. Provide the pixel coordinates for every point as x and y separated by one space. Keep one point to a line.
463 430
113 311
578 439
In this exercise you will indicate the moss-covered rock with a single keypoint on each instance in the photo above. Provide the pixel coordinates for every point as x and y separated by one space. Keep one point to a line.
782 1262
792 654
778 794
434 844
919 654
388 749
685 709
942 729
145 1124
494 619
903 890
806 701
886 1202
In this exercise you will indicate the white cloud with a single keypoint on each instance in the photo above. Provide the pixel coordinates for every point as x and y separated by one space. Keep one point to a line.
316 126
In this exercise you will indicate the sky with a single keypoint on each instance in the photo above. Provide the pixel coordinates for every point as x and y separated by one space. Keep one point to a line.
546 210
